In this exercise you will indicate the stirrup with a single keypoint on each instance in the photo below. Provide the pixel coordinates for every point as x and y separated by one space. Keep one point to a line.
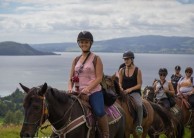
139 130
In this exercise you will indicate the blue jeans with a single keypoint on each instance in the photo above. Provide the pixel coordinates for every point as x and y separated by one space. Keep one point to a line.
96 101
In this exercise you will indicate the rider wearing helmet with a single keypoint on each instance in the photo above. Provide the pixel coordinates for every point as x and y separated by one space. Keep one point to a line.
175 77
130 81
86 77
163 88
85 35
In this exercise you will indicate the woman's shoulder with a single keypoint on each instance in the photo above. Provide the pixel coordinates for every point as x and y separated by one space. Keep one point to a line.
94 55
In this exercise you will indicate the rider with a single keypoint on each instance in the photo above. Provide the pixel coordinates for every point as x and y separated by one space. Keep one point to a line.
175 77
162 88
185 86
130 81
88 76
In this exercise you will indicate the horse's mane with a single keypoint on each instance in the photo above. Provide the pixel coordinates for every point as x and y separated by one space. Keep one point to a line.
164 114
117 88
59 95
121 95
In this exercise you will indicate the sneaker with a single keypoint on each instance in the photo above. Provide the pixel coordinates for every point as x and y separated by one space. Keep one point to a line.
139 130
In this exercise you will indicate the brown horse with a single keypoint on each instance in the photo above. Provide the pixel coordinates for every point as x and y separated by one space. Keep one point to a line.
65 112
130 111
188 115
161 125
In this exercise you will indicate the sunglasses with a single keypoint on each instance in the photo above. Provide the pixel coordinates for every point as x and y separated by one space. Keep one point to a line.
162 74
188 72
126 58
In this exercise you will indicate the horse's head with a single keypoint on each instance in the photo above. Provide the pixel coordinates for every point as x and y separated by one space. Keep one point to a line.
108 82
112 82
35 110
148 93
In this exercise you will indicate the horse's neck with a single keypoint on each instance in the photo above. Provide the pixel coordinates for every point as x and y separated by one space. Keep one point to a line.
58 111
67 111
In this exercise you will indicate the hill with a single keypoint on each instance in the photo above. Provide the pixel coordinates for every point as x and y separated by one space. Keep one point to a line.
140 44
13 48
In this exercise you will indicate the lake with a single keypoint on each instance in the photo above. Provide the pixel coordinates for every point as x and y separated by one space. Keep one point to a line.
35 70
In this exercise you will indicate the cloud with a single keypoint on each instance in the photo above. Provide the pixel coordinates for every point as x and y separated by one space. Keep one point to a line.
46 21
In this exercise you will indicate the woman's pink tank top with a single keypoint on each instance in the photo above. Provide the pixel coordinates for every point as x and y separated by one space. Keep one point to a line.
87 74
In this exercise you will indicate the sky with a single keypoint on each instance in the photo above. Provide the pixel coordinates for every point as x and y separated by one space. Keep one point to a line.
56 21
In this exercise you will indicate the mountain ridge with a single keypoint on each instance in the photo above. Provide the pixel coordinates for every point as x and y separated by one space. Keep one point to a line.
138 44
14 48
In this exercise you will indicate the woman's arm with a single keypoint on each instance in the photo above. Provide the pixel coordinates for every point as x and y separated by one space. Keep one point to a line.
121 73
171 89
70 83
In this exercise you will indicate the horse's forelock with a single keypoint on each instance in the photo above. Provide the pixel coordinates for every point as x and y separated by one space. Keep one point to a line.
33 92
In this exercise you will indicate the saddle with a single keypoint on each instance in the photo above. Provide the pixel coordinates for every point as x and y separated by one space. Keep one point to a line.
132 107
112 112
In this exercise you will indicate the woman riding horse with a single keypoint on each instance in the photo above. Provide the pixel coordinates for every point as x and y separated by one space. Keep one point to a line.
129 107
130 81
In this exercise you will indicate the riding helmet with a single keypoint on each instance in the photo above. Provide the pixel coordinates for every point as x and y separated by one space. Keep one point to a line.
85 35
128 54
189 69
177 67
163 70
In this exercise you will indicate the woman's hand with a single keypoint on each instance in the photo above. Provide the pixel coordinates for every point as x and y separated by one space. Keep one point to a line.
127 91
86 90
70 90
166 90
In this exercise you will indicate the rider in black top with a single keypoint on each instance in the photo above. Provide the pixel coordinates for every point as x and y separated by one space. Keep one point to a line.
130 82
175 77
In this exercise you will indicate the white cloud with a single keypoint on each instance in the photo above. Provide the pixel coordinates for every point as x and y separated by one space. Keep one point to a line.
46 21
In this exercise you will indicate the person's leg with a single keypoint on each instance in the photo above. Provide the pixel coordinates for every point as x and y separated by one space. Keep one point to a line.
138 101
166 103
97 103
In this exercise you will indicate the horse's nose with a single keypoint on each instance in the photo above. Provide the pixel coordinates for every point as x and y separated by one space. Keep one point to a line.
25 135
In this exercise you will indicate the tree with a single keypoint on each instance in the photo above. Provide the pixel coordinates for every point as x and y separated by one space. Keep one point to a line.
9 118
18 117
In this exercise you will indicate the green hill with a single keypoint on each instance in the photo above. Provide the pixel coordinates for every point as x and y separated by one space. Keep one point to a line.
139 44
13 48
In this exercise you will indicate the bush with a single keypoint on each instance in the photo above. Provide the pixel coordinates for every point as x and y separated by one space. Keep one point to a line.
13 118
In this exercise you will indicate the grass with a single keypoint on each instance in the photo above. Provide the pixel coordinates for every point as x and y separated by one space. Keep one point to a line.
12 131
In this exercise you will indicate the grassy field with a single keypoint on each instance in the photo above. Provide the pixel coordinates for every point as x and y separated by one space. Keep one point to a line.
13 132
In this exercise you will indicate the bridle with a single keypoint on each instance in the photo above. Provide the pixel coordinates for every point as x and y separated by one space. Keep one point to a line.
44 115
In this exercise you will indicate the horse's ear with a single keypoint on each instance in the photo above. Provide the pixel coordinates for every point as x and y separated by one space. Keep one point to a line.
43 89
113 77
26 89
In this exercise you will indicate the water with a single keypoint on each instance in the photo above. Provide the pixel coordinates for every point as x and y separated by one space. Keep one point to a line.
35 70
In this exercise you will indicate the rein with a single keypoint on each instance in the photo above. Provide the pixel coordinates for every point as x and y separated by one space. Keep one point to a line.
69 109
45 114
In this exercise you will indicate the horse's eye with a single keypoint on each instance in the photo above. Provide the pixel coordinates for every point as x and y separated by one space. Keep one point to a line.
36 107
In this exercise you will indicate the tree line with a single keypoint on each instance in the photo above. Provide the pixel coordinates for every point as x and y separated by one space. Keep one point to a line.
11 108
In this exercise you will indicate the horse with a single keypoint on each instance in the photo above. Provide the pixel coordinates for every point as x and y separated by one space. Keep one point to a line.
175 123
65 112
111 82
